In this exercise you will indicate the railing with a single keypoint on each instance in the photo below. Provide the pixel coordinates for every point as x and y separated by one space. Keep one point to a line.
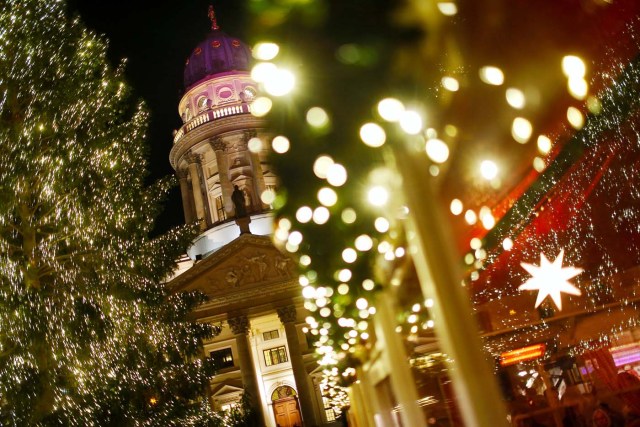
209 115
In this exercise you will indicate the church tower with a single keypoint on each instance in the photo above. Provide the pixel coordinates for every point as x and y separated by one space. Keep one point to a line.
219 155
210 152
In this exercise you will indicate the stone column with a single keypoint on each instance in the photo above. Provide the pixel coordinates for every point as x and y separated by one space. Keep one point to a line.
287 316
402 382
256 170
195 187
240 327
186 197
219 148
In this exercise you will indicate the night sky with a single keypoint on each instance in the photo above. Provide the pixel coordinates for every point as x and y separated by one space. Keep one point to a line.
156 37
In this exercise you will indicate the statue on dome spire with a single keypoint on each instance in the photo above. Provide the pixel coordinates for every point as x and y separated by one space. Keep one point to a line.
212 17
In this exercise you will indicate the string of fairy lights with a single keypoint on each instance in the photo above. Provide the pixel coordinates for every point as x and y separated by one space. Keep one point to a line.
359 211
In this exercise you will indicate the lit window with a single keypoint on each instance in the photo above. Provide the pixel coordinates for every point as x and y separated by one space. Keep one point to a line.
271 335
222 215
275 356
222 358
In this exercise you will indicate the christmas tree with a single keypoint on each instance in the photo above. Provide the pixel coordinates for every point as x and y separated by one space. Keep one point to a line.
88 333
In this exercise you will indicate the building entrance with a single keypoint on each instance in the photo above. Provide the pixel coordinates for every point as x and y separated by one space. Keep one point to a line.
286 408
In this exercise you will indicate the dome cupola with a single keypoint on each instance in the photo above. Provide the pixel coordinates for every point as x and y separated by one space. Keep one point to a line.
217 53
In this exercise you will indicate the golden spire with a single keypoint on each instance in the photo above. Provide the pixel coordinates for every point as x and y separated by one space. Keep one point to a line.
212 17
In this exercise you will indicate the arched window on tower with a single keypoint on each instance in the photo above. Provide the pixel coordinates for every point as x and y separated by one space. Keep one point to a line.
203 103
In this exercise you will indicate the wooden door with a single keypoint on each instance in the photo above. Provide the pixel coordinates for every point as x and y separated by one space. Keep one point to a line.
287 413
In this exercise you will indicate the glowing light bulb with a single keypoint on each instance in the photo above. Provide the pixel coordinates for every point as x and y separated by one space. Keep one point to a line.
573 67
575 118
317 117
515 98
349 255
437 150
255 145
521 130
390 109
492 75
578 87
411 122
327 196
450 83
304 214
378 195
456 207
447 8
488 169
373 135
544 144
265 51
321 215
381 224
321 166
280 144
280 82
363 242
261 106
336 175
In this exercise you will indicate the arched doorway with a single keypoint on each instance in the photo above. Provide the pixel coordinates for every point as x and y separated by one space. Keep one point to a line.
285 407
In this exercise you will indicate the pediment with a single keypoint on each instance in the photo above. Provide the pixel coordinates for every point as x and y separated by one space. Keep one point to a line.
226 389
245 263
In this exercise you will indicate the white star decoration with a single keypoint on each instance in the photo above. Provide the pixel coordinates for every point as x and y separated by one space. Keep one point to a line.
550 278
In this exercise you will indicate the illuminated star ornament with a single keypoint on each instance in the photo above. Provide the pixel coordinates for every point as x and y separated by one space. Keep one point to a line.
550 278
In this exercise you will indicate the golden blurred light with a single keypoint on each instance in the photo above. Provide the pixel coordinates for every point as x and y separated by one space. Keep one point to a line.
268 196
573 67
381 224
475 243
399 252
411 122
578 87
321 166
281 234
544 144
363 242
430 323
295 238
521 129
344 275
263 71
317 117
265 51
349 255
437 150
451 130
261 106
372 135
447 8
539 164
450 83
305 260
368 284
279 83
415 308
378 195
255 145
336 175
362 303
456 206
343 289
575 118
327 196
390 109
304 214
321 215
471 217
515 98
491 75
285 224
280 144
507 244
428 302
488 221
488 169
303 281
308 292
349 216
594 105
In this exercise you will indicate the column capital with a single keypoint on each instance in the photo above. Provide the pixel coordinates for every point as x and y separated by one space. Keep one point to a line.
287 314
193 158
249 133
217 144
239 325
182 173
